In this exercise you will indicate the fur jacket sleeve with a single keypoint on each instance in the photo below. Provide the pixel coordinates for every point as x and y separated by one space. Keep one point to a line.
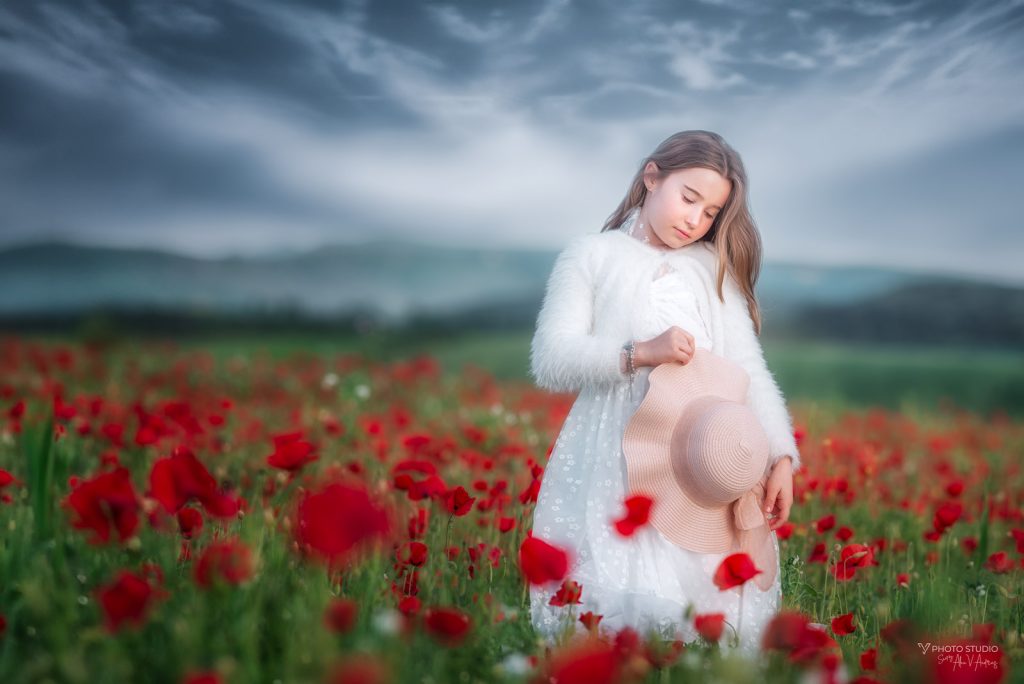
584 322
566 354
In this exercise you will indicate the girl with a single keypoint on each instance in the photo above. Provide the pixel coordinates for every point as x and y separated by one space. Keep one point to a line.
673 269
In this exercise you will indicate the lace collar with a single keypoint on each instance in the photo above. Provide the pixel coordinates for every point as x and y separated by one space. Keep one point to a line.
630 228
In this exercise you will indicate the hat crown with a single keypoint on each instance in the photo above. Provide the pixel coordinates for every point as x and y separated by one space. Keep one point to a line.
719 450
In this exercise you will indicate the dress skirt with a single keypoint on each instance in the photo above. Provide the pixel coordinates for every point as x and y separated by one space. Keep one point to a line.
644 581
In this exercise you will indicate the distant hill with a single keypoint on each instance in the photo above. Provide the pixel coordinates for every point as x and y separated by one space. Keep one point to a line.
408 283
936 312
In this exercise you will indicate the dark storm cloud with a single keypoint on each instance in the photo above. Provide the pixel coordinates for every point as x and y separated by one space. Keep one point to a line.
233 126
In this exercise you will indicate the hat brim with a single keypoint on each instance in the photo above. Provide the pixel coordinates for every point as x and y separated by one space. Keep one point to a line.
685 522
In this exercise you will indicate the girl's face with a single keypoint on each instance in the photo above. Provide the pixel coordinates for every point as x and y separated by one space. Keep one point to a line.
680 208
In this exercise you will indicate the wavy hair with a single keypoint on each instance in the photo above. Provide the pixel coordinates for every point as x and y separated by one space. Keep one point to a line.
733 232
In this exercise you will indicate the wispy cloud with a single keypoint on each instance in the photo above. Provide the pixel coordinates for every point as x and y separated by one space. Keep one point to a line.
515 127
458 26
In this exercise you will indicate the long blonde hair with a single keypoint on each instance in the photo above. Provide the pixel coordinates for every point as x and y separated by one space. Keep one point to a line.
733 232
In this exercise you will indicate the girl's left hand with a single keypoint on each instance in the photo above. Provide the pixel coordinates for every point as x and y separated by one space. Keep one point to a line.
779 492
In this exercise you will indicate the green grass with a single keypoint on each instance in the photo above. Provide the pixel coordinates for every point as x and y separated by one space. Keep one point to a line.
853 376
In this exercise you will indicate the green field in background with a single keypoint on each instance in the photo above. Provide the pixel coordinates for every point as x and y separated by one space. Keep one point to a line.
846 376
826 374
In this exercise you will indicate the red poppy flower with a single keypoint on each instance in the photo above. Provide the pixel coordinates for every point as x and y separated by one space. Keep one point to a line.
869 659
6 478
413 553
946 515
529 495
853 557
448 625
818 554
541 562
202 677
360 669
734 570
107 500
341 614
999 562
458 502
568 594
791 632
1018 536
410 605
431 485
825 523
969 544
127 599
638 510
710 626
590 621
843 625
291 452
190 521
229 561
339 520
589 661
177 479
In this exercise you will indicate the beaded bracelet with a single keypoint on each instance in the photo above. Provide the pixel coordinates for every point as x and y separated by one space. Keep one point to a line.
629 348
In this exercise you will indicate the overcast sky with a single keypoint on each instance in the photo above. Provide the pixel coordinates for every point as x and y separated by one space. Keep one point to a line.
873 132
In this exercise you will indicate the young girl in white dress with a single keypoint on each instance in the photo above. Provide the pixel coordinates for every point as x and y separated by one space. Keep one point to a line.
651 279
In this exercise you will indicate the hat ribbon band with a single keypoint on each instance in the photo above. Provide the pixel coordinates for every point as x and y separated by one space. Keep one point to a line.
747 509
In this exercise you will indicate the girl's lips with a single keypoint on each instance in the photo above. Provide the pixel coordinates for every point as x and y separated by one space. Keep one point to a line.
681 233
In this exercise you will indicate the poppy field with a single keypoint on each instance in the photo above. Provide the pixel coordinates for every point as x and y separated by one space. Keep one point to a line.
172 516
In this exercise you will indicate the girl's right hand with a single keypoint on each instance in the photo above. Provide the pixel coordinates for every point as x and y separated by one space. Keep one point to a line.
673 345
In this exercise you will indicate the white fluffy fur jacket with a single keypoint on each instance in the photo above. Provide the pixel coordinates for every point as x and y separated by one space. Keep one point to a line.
586 315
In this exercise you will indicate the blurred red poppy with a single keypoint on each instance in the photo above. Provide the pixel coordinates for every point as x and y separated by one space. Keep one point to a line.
542 562
338 520
105 501
291 452
568 594
843 625
638 509
710 626
413 553
791 632
229 561
340 615
190 521
177 479
458 502
448 625
734 570
127 599
360 669
588 661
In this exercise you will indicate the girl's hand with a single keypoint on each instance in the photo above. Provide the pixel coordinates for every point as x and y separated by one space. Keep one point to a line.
673 345
778 498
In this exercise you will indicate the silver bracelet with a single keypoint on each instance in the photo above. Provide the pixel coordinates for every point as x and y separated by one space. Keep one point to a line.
629 347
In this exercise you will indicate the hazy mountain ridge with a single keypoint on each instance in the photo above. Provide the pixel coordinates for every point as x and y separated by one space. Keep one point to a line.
401 282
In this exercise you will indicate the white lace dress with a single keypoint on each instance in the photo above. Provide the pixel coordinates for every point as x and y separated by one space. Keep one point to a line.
643 581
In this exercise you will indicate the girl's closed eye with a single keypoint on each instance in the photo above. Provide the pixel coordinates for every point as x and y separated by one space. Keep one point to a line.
690 201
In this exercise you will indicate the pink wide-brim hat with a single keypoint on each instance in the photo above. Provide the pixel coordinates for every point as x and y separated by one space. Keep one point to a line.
696 448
